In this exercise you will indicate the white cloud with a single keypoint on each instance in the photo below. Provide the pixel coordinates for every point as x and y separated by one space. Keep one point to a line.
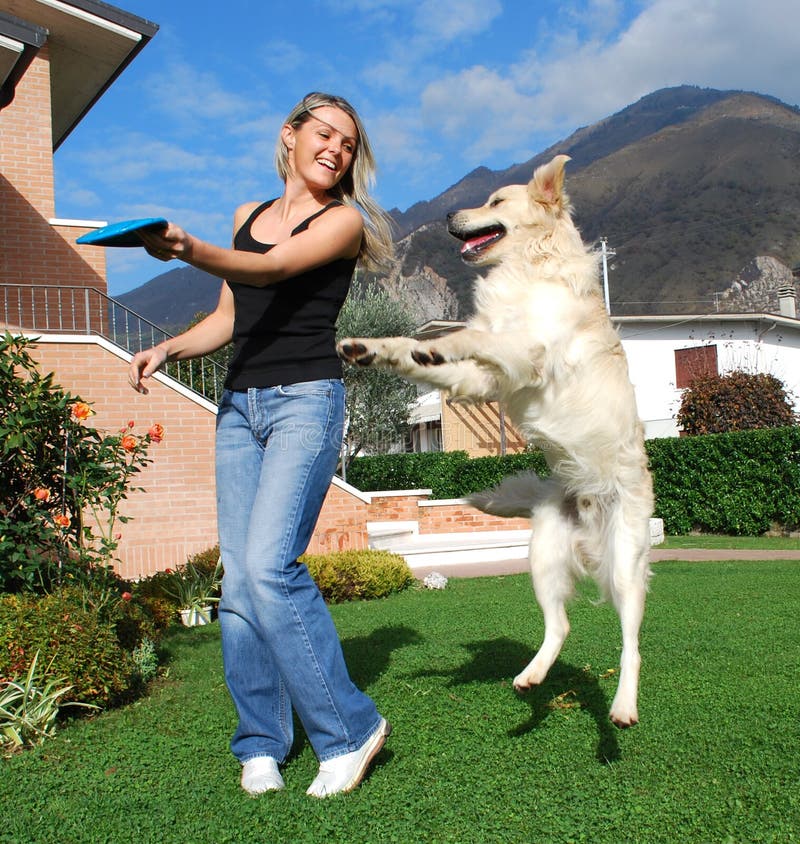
193 96
134 157
447 20
399 144
479 110
283 57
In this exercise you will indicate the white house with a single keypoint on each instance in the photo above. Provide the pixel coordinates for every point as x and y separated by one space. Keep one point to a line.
666 352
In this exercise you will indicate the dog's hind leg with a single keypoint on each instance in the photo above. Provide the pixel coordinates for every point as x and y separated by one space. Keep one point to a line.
551 557
628 588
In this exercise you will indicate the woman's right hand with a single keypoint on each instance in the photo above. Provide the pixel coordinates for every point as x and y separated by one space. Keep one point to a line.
143 365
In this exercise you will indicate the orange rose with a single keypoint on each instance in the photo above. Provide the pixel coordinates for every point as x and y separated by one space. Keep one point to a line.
62 521
128 442
156 433
81 410
41 494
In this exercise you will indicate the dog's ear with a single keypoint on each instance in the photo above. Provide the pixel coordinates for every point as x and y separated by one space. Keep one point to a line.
547 185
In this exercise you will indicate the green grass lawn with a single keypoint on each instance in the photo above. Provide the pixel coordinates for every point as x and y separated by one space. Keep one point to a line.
715 757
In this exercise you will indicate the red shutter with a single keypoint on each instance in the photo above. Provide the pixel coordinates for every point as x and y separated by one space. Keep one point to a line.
694 363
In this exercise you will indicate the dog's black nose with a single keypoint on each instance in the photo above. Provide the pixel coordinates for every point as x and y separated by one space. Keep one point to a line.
450 215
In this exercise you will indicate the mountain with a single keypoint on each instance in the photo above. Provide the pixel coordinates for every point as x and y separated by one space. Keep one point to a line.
691 187
667 107
172 299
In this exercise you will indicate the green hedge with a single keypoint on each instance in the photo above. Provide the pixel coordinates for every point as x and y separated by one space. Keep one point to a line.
448 474
742 483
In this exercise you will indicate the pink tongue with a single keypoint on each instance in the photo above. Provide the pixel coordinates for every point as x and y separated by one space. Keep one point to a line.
476 242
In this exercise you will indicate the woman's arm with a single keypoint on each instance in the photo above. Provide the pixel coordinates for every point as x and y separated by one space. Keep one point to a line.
207 336
336 234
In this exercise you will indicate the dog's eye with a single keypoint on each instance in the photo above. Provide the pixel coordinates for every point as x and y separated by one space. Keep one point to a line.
496 201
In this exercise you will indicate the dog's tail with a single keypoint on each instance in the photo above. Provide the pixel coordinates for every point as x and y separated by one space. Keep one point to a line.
516 496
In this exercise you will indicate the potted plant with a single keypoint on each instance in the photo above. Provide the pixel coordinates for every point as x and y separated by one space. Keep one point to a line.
196 591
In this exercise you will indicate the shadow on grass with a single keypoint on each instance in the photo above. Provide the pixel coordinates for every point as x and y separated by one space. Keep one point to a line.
368 657
565 687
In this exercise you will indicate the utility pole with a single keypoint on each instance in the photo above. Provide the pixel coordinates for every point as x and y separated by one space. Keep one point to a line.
606 253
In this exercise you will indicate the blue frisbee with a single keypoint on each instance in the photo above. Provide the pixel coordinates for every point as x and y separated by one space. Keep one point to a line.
123 233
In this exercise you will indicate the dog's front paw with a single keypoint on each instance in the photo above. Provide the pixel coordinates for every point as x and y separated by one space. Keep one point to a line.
355 352
427 356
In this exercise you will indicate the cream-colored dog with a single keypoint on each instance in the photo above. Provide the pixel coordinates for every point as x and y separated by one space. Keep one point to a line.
541 343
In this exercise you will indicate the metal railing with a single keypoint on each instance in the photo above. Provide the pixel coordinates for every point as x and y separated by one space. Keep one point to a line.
48 309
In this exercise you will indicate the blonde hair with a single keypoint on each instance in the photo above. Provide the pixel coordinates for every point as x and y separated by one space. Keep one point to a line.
353 188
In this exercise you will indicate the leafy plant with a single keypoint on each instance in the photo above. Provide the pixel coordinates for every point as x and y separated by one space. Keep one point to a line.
192 587
145 660
29 707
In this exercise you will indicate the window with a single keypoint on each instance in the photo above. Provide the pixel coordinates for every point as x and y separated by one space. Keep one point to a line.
694 363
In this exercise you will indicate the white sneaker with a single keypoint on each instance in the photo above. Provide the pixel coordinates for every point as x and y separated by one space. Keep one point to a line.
344 773
261 774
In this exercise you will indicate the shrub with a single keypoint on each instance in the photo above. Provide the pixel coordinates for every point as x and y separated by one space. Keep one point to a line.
484 472
54 521
449 474
738 401
349 575
739 483
76 643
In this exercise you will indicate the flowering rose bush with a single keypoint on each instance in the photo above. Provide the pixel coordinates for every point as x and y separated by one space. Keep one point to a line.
61 480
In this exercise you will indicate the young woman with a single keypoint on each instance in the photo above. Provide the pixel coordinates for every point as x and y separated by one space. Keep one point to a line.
279 431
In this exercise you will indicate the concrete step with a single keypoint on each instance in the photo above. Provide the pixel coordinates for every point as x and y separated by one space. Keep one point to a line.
452 548
427 551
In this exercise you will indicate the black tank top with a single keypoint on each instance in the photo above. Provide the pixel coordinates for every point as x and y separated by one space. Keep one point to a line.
286 332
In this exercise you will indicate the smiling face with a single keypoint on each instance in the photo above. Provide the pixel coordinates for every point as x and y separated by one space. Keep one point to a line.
322 148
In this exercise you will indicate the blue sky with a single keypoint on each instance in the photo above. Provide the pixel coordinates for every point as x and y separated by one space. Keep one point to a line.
443 86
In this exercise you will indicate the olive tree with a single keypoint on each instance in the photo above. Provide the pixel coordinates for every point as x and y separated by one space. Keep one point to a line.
378 402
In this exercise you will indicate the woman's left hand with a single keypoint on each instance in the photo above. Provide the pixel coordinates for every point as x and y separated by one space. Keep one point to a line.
167 243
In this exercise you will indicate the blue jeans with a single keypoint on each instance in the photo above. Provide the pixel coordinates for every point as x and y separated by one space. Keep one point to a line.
277 449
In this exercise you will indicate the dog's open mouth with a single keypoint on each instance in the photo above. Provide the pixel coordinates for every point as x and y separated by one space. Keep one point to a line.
476 243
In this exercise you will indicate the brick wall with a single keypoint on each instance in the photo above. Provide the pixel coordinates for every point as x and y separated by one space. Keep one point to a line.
32 249
343 521
459 517
176 516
